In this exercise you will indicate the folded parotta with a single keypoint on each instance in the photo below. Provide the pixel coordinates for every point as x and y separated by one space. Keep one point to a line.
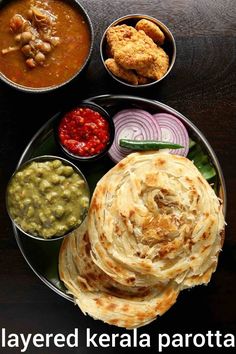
154 227
102 297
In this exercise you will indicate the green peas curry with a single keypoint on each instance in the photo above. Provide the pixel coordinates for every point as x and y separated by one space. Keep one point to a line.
47 199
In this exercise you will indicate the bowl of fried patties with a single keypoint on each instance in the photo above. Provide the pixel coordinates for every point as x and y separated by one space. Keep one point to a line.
138 50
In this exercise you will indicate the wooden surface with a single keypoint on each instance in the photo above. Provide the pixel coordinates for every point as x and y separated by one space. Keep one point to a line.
202 87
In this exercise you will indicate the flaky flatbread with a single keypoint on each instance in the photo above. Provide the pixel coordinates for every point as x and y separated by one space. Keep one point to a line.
103 298
154 227
153 218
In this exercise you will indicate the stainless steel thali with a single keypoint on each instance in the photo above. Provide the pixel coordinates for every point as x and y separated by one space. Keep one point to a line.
42 257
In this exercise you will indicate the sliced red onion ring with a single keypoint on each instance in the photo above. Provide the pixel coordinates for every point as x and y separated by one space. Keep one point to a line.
173 130
135 124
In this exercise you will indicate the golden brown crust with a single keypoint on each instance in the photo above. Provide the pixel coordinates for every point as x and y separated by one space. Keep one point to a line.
99 295
151 30
131 49
124 74
159 68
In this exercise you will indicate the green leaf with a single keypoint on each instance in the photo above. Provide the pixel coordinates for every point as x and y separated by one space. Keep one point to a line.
201 161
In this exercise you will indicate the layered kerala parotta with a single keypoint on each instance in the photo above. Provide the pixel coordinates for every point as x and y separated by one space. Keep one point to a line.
154 228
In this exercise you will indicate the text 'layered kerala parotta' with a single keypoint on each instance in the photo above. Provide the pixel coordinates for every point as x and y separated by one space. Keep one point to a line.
154 228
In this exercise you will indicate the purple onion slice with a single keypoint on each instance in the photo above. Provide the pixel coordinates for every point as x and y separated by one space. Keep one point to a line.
135 124
173 130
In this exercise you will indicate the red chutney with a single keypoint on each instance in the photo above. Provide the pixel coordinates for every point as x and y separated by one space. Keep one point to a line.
84 132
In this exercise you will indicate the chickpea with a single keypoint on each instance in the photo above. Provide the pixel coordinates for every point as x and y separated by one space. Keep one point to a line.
18 38
26 37
39 57
55 41
38 44
26 50
45 47
31 63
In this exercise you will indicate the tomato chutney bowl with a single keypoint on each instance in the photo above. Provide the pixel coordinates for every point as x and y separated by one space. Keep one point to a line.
85 132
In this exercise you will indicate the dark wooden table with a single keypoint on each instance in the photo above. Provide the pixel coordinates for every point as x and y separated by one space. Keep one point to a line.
202 87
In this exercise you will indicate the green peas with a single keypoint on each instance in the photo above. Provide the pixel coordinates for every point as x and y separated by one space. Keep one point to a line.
71 222
44 186
52 196
67 171
55 179
30 212
27 202
59 211
66 194
56 164
42 217
20 176
61 229
84 202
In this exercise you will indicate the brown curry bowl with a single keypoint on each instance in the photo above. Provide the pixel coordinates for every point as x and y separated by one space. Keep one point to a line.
47 59
169 46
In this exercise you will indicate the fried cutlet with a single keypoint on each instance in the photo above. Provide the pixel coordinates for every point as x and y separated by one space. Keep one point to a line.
130 48
124 74
157 69
151 30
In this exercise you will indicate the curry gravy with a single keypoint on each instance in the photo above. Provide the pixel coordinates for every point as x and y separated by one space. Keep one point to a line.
62 62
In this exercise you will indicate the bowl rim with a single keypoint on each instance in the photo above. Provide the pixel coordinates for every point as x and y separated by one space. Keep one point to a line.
46 89
43 158
94 107
139 16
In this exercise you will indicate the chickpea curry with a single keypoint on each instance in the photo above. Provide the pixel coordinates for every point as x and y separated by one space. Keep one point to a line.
43 43
47 199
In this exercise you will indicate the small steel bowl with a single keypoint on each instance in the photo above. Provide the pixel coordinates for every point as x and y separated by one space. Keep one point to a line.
76 4
45 158
169 45
104 114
